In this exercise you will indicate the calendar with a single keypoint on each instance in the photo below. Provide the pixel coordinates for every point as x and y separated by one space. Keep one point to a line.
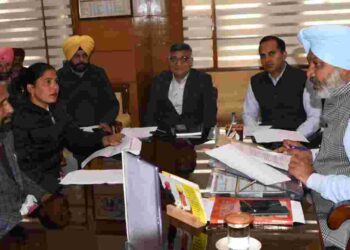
104 8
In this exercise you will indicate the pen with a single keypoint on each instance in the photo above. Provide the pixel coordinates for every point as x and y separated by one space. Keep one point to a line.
302 148
229 129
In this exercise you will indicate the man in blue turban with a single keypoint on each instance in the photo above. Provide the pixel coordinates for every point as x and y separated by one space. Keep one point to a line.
328 54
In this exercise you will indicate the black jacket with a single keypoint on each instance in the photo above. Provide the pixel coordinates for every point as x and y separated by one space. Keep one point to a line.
199 102
282 105
41 135
90 99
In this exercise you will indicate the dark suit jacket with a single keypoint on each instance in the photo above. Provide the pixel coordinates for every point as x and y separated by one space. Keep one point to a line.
90 100
14 186
199 102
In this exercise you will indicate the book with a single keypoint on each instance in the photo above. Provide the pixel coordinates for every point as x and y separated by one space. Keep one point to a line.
266 211
186 194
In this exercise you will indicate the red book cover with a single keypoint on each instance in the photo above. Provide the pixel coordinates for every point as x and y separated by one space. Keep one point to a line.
266 211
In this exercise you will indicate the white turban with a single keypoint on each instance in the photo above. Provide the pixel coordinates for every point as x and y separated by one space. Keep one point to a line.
330 43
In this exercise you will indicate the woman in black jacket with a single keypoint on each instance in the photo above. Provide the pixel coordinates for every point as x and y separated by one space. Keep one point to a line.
42 129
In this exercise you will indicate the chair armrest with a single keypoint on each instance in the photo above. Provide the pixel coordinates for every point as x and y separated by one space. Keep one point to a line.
339 213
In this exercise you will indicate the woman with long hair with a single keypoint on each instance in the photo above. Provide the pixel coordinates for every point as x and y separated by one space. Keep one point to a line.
42 129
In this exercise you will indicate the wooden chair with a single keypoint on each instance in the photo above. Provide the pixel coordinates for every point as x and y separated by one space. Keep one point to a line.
122 94
339 214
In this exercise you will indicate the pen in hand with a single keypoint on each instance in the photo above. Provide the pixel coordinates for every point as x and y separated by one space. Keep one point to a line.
302 148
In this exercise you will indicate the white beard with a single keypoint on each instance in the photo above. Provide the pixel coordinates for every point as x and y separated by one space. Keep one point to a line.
329 85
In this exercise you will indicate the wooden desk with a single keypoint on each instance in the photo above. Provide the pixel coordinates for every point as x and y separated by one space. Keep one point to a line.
297 237
91 232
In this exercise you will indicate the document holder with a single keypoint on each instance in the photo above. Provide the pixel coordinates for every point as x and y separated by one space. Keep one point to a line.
142 203
184 216
244 186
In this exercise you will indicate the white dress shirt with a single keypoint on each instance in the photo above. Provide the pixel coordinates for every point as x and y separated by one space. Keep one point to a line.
176 93
333 187
312 107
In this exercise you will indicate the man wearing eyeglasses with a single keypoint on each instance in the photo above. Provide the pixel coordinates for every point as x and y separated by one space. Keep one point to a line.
182 97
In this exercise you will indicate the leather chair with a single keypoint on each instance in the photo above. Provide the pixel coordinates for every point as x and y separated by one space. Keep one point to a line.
339 214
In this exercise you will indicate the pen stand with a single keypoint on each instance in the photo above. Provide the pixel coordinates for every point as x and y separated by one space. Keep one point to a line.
184 216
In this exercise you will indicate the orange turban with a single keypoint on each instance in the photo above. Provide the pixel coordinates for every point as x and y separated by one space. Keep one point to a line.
6 55
73 43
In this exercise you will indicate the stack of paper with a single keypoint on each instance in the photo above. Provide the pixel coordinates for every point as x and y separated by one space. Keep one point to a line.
138 132
89 177
270 157
234 158
277 135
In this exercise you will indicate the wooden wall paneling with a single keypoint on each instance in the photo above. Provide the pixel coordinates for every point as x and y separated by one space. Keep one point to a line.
175 20
143 59
109 34
119 65
160 44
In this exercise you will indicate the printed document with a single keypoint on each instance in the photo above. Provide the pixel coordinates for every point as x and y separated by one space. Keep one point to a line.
89 177
272 158
242 162
249 130
138 132
277 135
133 145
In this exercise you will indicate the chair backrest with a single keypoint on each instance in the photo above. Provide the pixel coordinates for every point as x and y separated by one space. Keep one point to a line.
122 94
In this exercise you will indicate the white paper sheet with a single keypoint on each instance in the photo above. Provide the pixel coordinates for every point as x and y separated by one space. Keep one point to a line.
297 212
89 128
277 135
249 130
247 165
89 177
130 144
189 135
138 132
266 156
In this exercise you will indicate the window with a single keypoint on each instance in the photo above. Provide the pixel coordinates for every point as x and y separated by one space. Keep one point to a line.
230 35
37 26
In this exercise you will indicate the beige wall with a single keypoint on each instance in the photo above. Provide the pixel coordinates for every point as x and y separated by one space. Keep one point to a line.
232 87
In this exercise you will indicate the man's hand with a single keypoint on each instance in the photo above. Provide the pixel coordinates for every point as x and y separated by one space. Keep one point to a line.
287 145
112 140
300 165
107 128
111 129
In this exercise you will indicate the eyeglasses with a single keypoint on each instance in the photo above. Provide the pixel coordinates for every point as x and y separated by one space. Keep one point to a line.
183 59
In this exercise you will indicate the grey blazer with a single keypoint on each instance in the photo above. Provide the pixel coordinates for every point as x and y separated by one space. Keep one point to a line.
14 186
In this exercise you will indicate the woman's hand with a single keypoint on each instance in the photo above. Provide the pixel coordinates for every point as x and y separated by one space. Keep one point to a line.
112 140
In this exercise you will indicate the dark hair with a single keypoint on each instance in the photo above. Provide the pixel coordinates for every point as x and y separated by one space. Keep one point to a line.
281 45
180 47
34 72
19 52
18 88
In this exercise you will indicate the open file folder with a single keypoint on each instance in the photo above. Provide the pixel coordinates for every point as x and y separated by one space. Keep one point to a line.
234 159
142 203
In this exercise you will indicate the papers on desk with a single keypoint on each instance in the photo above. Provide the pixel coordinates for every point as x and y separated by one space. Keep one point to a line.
133 145
189 135
277 135
138 132
270 157
89 177
234 158
297 211
249 130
